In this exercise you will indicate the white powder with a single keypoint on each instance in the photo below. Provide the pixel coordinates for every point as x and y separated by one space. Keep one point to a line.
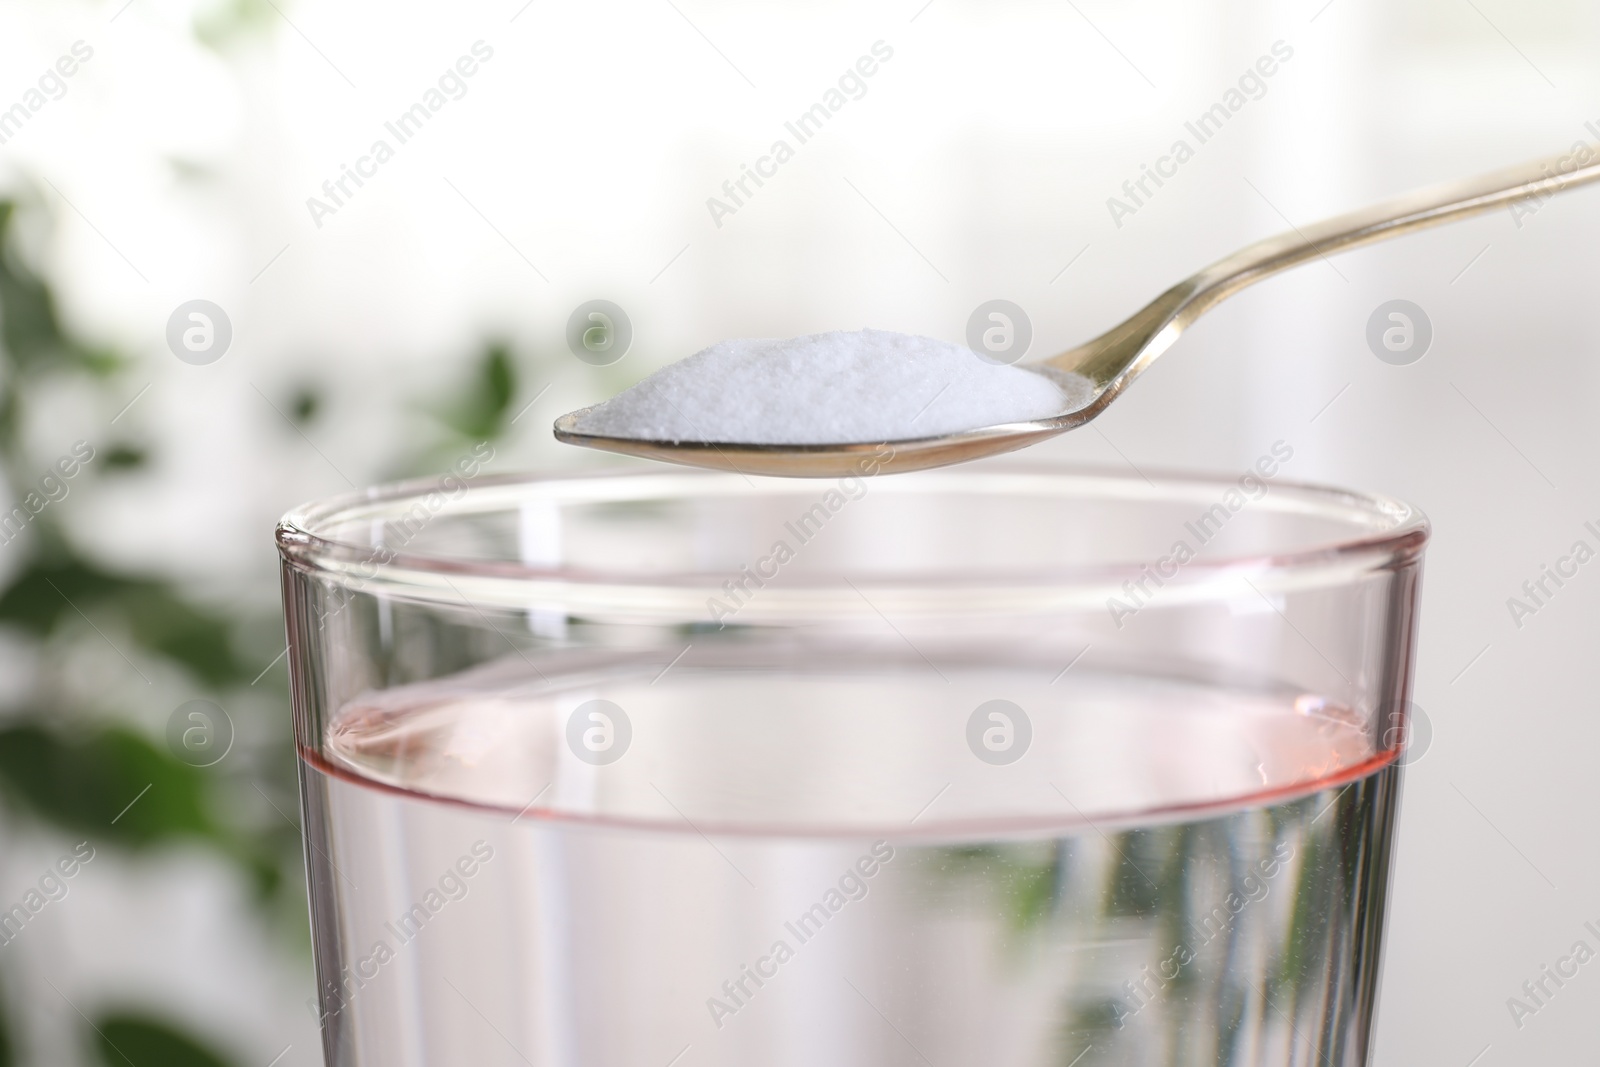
830 388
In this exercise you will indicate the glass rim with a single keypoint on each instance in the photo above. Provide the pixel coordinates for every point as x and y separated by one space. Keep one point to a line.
1392 531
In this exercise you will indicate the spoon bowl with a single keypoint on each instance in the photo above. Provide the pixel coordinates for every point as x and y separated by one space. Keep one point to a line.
830 460
1113 360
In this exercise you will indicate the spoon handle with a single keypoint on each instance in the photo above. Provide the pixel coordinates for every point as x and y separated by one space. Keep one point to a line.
1114 358
1404 214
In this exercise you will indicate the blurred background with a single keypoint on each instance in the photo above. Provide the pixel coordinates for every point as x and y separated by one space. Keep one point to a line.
159 152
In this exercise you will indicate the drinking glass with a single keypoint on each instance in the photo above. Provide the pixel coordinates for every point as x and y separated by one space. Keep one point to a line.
991 765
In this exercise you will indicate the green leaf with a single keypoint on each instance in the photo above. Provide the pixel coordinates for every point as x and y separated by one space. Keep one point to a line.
221 25
170 625
110 784
30 325
122 457
8 1050
41 593
480 414
305 404
127 1039
45 592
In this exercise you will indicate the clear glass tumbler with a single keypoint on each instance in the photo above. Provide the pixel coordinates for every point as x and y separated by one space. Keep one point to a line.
980 766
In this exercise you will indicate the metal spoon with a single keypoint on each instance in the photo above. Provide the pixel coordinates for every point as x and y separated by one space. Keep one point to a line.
1118 356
